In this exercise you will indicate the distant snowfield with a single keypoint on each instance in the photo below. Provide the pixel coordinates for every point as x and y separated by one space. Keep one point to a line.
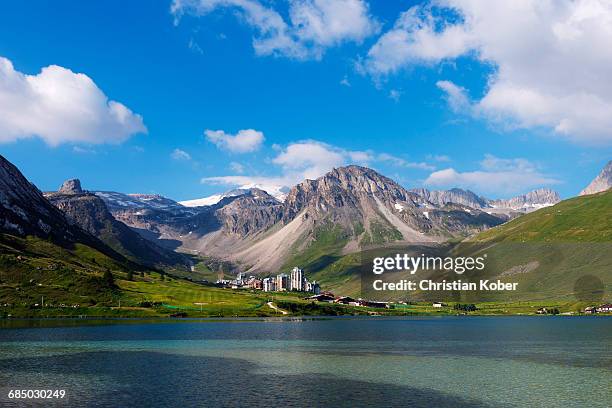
199 202
278 193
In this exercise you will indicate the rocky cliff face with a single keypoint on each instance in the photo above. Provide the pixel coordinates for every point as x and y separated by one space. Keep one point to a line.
90 213
249 213
356 195
453 196
72 186
535 199
242 215
345 187
602 182
25 211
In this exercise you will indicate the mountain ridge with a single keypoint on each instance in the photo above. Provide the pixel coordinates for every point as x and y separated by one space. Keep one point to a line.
90 213
602 182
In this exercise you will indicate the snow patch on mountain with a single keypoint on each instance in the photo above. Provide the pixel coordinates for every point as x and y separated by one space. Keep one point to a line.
279 192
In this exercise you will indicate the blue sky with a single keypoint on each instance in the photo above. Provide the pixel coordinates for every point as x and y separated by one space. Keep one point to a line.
214 94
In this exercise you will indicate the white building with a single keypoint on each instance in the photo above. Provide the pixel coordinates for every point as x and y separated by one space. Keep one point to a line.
312 287
297 281
269 284
240 278
607 308
282 282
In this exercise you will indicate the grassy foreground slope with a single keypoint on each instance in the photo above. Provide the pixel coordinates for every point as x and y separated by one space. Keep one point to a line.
563 252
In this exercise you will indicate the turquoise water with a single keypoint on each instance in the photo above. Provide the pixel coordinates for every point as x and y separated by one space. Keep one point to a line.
419 362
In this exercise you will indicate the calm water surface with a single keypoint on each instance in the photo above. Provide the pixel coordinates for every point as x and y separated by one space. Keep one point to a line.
352 362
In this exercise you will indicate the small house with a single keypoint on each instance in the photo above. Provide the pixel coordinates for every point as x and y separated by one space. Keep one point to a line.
321 298
372 303
345 300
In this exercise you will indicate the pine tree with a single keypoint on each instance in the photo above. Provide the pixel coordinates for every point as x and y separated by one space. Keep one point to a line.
108 279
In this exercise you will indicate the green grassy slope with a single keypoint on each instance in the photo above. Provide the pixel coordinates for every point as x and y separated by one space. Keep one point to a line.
31 268
551 251
579 219
71 282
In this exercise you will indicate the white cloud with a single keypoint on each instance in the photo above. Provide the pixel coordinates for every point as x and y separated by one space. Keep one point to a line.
309 159
313 25
415 39
551 60
399 162
60 106
237 167
245 141
195 47
395 95
439 157
359 157
345 82
456 96
496 176
330 22
179 154
82 150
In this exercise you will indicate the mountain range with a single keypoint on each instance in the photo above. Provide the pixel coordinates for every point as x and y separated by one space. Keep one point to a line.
261 233
357 205
317 226
535 199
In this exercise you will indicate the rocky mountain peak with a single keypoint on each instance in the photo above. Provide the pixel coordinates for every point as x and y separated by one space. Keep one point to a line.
353 180
541 197
343 187
251 212
360 179
602 182
252 196
452 196
72 186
